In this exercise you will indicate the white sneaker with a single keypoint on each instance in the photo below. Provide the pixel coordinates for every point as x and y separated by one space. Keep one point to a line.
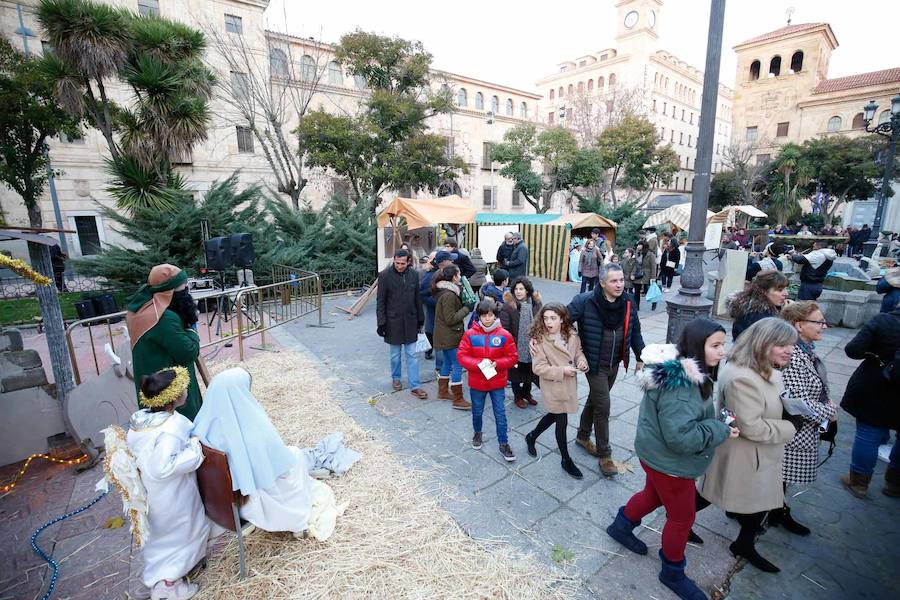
179 590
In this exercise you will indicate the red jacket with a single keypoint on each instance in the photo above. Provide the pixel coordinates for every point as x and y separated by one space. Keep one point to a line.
498 346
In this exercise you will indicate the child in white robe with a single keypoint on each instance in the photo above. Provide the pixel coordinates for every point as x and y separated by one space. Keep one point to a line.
167 457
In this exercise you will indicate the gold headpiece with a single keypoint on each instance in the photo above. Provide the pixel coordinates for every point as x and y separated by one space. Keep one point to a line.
172 393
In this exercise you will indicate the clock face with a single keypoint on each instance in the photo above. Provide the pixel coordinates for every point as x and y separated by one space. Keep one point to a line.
652 19
631 19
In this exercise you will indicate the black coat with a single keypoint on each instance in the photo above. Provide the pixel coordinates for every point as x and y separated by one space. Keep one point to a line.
466 268
584 309
869 397
503 254
517 265
667 256
399 307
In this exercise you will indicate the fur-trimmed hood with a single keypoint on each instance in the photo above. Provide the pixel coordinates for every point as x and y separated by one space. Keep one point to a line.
740 304
509 299
449 286
670 372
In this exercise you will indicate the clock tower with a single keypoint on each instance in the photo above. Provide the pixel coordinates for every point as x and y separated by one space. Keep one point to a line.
638 24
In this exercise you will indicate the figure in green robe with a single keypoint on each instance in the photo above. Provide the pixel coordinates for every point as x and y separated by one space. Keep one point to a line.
161 337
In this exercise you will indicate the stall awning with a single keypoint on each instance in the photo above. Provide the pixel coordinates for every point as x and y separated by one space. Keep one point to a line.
678 215
422 213
727 215
583 220
575 220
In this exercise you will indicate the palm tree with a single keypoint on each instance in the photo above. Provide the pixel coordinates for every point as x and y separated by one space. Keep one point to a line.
161 61
793 173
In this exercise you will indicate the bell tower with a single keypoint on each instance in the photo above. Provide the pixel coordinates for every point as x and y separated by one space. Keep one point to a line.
638 23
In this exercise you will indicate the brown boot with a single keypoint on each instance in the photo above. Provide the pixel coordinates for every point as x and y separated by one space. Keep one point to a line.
459 403
444 388
856 483
891 483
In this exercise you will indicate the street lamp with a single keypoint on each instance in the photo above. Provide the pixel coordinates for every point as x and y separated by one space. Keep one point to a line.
890 129
489 119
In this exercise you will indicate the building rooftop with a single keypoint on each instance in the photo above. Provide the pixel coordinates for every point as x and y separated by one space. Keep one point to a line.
789 29
858 81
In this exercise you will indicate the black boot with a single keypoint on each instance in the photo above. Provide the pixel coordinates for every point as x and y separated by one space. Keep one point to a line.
672 576
693 537
781 517
530 438
746 549
569 467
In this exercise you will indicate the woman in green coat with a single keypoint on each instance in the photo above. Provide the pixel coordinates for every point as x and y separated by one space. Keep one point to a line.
449 324
160 319
677 434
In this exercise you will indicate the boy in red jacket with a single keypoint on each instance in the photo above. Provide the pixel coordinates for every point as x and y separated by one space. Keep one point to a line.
488 351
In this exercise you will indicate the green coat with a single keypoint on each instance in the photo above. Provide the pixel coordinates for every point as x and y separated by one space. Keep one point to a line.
165 345
677 430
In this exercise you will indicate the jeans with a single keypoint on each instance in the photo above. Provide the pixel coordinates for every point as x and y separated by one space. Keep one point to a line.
450 366
596 410
677 495
638 288
412 363
809 291
588 283
498 398
865 448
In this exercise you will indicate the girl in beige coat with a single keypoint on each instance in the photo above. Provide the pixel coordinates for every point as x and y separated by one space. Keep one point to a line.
744 476
556 358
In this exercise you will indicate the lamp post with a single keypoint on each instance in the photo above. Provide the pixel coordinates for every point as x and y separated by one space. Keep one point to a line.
489 119
891 130
689 303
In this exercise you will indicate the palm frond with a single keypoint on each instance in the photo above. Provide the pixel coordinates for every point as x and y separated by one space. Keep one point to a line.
67 87
91 38
136 187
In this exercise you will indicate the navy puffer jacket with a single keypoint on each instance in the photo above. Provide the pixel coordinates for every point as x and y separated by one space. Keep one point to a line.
585 310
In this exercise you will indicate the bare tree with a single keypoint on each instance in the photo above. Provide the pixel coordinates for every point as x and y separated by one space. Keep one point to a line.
749 173
588 113
270 97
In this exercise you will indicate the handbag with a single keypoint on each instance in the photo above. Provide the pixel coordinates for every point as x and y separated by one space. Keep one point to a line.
422 343
639 274
829 435
467 294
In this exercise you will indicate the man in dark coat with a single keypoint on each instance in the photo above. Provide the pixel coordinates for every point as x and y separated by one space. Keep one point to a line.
608 326
505 249
517 265
400 317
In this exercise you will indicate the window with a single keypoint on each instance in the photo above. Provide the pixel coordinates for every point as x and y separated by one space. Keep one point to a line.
681 139
717 148
672 137
148 7
600 83
677 181
782 130
516 199
754 70
775 66
612 80
244 139
582 63
307 68
551 116
692 118
762 159
834 124
335 75
359 81
665 107
479 101
858 122
751 134
523 110
495 104
682 114
590 85
689 140
46 48
75 138
240 85
278 63
687 162
580 86
609 105
88 235
488 195
560 93
662 133
674 108
797 61
486 156
509 107
461 97
552 94
570 90
234 24
654 105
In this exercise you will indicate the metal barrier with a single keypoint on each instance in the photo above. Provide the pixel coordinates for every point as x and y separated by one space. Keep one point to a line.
225 315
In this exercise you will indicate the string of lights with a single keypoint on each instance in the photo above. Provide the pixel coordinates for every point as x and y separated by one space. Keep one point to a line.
6 487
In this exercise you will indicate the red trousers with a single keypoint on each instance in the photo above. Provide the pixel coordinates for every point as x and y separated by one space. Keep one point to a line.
677 495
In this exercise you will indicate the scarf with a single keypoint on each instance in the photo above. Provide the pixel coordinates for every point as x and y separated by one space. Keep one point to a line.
146 307
612 314
525 319
809 348
492 327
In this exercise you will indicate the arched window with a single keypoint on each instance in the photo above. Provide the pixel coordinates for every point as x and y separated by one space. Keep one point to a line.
307 68
479 101
775 66
834 124
335 75
278 63
359 81
612 80
580 86
666 85
570 90
858 122
600 83
655 79
509 107
754 70
552 94
590 85
495 104
461 98
523 110
797 61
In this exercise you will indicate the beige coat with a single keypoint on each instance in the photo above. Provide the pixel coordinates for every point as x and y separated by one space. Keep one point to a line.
559 393
745 473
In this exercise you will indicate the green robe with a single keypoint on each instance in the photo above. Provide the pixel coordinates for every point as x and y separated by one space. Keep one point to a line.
165 345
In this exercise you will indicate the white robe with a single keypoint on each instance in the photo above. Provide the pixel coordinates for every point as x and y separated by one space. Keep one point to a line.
167 458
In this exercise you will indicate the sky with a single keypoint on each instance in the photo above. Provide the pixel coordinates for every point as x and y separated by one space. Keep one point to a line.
515 43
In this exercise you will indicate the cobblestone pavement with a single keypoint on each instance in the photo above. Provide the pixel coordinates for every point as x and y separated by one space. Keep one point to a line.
531 503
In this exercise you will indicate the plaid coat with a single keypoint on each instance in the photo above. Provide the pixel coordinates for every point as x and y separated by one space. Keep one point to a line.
802 380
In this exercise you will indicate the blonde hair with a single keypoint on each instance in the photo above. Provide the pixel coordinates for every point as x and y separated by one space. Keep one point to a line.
752 348
798 311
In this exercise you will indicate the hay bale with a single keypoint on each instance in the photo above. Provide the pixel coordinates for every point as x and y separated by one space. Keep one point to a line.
393 541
